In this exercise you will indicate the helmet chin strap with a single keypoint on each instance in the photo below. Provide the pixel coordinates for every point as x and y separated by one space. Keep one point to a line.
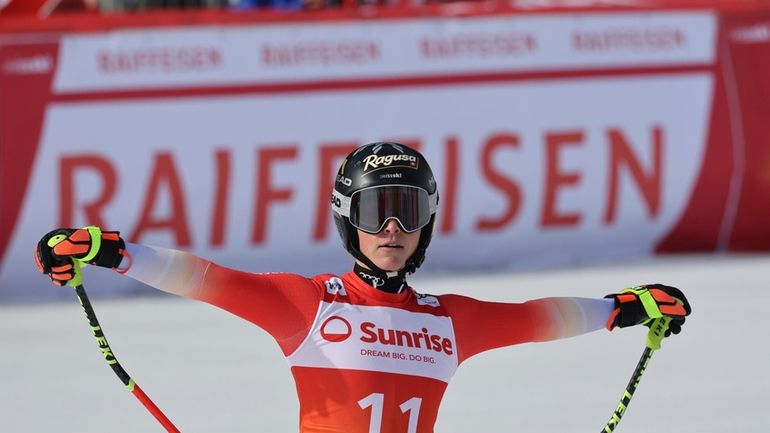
390 282
387 281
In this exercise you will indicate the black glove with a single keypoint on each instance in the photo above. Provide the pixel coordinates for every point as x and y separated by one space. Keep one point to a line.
643 304
60 252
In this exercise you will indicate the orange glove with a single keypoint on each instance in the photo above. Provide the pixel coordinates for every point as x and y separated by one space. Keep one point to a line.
60 253
643 304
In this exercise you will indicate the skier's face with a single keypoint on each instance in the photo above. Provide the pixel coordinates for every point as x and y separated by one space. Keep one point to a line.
390 248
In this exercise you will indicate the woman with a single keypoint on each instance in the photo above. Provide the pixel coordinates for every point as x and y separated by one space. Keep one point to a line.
368 353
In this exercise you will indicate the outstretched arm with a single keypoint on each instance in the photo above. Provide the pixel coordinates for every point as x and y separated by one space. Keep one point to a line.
282 304
481 326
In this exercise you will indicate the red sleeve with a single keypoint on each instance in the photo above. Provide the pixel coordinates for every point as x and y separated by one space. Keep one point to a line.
481 326
284 305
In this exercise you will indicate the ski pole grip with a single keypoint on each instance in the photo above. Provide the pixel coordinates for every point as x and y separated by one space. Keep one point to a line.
77 279
657 332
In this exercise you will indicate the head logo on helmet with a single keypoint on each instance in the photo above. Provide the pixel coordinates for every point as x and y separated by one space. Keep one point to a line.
380 165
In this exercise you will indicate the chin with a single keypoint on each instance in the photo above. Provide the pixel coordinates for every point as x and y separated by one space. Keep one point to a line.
389 265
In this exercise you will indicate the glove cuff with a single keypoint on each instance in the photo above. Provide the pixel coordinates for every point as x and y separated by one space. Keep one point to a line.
629 310
110 252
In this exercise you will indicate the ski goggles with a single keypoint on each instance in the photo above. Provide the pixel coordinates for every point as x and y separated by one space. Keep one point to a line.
370 209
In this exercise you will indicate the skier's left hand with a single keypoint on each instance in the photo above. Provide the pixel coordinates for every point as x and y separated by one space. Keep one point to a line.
643 304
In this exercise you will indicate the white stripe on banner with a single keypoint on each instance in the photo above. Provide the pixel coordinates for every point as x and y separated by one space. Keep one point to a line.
372 49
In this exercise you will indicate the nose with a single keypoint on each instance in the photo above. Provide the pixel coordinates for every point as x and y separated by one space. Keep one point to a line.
391 226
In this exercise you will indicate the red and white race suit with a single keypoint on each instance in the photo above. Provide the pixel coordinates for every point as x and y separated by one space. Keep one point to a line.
366 361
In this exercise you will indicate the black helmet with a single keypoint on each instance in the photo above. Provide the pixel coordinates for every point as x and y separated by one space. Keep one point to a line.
382 181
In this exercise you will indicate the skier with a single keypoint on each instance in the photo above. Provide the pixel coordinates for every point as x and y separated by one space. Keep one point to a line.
368 352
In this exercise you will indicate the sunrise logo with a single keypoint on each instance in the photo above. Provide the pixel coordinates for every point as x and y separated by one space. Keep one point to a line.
336 329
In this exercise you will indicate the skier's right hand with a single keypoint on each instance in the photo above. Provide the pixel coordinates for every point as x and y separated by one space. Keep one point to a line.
61 252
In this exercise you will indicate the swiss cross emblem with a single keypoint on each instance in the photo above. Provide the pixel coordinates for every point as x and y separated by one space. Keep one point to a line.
334 286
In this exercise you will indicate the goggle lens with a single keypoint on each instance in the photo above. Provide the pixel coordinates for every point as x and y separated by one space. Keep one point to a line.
371 208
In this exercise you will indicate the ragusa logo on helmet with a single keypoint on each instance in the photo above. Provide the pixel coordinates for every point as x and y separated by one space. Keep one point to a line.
373 162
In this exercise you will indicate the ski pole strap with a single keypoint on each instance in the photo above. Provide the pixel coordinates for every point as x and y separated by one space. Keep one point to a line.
96 243
649 304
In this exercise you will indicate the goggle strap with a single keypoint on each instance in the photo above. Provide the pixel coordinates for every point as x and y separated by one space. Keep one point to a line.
433 202
342 202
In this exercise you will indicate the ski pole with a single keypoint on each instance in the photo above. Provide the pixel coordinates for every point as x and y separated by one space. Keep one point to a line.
109 356
654 337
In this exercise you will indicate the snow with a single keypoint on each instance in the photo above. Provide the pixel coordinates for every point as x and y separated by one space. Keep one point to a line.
210 371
